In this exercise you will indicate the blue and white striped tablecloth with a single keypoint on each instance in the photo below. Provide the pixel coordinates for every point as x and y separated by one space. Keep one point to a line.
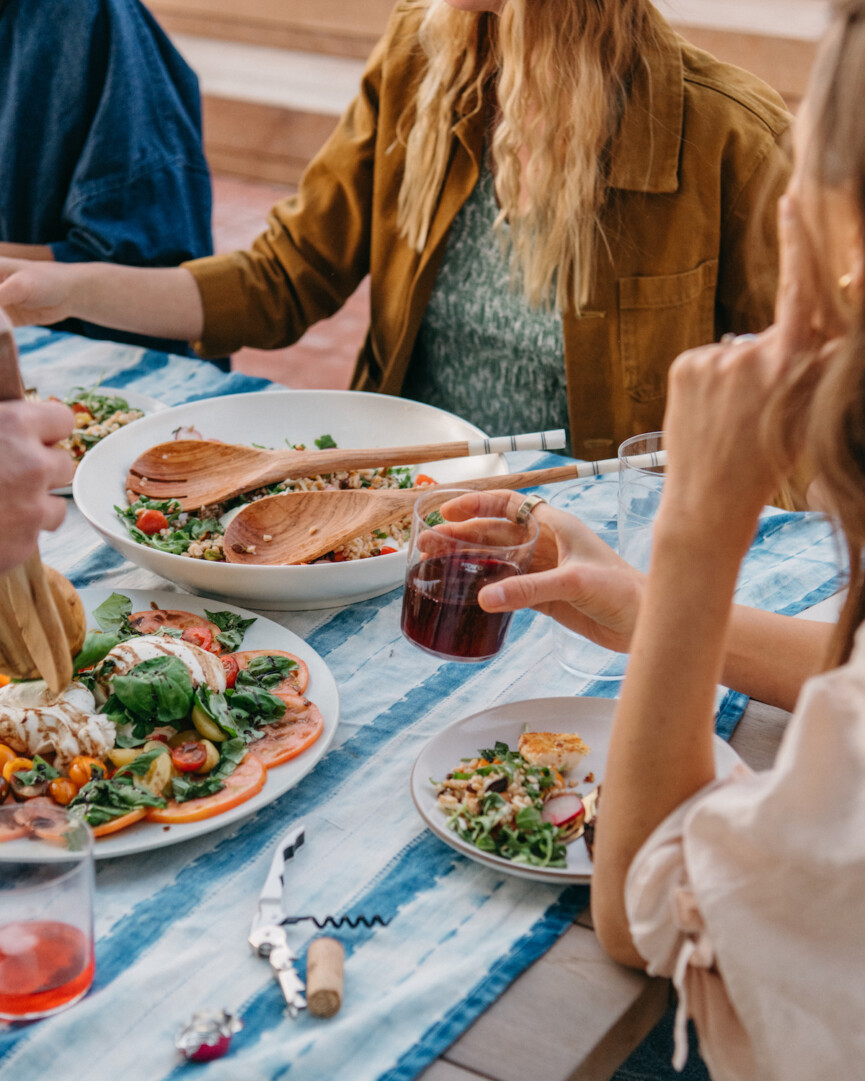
172 924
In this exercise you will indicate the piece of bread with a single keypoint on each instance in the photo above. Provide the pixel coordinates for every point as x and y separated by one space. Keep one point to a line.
558 750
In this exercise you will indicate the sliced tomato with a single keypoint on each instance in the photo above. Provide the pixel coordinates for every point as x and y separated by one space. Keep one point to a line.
247 779
120 823
155 619
386 551
295 682
199 636
423 478
299 729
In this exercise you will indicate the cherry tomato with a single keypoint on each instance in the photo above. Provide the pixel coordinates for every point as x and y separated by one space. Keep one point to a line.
386 551
189 757
80 407
422 478
229 663
62 790
6 755
16 765
83 768
198 636
4 680
151 521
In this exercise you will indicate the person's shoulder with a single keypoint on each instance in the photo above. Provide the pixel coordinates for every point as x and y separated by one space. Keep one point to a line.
727 87
405 19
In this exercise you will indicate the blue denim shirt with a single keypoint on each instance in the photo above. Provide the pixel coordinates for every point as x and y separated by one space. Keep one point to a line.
100 129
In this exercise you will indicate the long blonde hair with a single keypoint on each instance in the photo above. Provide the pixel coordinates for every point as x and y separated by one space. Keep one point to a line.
835 158
560 70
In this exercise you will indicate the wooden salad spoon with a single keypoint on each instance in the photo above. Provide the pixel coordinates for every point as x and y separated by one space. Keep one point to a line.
198 473
299 527
42 619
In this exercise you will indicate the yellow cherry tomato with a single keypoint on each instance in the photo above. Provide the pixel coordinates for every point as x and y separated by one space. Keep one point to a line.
82 768
4 680
63 790
16 765
6 755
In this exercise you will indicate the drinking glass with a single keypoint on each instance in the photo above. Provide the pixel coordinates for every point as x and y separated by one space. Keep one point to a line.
575 653
640 489
46 910
440 609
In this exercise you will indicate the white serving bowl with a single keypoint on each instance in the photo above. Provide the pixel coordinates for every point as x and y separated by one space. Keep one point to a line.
268 418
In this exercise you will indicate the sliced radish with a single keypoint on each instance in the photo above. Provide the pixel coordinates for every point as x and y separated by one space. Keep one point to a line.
563 810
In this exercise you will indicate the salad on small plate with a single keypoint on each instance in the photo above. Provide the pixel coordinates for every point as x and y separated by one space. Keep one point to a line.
522 817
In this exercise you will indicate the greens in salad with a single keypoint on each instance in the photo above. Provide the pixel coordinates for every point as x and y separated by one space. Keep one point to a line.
496 801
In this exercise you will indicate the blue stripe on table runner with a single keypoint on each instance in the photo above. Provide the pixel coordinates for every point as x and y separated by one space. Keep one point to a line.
545 932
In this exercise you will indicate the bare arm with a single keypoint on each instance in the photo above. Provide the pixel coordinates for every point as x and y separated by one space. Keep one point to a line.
160 302
769 657
25 251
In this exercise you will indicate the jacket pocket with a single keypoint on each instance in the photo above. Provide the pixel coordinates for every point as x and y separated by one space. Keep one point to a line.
659 318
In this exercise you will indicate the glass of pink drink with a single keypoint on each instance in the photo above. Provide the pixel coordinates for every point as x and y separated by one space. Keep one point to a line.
440 609
46 910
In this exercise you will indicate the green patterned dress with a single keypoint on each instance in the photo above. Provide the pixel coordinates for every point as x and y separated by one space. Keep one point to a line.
482 352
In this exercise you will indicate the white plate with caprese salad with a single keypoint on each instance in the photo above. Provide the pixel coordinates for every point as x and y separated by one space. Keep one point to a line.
287 752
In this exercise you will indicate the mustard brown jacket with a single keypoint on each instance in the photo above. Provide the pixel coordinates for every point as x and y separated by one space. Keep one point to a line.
690 252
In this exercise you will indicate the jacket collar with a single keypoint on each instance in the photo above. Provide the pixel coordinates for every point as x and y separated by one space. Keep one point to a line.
645 152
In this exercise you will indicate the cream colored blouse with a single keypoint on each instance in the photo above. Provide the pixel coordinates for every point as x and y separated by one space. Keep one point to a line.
751 896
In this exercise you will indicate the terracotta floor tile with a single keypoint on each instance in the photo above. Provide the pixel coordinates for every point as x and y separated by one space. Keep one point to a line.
324 357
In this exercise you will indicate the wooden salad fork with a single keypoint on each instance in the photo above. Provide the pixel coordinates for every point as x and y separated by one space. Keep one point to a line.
299 527
42 619
197 473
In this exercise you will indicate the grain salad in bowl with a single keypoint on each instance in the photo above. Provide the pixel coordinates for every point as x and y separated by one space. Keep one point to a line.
264 418
200 534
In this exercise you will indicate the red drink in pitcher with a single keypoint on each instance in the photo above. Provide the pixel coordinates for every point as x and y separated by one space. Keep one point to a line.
441 613
44 966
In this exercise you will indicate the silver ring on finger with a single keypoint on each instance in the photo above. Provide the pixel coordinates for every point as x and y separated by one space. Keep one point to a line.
526 507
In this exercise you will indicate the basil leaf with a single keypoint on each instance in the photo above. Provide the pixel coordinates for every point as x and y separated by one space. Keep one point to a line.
41 771
231 753
141 763
97 645
232 628
215 706
187 788
113 615
267 672
103 800
158 690
254 705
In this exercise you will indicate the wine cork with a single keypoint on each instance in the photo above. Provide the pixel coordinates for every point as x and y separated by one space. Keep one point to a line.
324 977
